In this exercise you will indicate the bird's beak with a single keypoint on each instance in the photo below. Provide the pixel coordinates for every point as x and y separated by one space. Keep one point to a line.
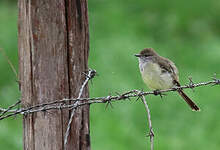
137 55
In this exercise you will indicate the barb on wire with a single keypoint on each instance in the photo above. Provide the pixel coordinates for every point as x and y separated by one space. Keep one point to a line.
108 102
89 76
191 83
151 132
217 81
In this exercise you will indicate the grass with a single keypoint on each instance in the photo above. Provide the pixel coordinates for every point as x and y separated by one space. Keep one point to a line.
187 32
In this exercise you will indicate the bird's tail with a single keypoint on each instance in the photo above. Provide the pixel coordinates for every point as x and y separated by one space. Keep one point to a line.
188 100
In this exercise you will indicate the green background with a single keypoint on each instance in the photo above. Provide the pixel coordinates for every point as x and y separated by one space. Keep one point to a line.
187 32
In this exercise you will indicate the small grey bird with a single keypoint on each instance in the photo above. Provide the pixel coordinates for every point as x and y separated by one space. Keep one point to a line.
160 73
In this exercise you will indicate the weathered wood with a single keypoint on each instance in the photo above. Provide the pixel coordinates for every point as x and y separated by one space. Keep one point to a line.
53 53
78 58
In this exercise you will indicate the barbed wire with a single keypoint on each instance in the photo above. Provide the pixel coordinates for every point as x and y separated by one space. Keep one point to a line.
74 103
90 75
4 111
60 104
151 132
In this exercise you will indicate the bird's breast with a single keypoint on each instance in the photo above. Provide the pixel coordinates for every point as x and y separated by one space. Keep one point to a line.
154 77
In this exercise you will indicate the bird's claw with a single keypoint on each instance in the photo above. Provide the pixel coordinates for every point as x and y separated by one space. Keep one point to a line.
157 92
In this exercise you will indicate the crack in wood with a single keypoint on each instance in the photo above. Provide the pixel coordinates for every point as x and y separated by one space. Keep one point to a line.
79 12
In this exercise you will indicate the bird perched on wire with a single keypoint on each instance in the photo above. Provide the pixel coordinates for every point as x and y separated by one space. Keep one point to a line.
160 73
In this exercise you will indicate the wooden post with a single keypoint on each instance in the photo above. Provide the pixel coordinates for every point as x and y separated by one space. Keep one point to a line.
53 52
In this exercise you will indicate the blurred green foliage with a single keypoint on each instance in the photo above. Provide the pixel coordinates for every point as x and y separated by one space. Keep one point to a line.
187 32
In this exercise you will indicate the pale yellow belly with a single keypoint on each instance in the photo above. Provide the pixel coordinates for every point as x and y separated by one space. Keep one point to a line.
155 79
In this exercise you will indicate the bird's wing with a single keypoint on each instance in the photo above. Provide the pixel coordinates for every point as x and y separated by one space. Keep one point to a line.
168 66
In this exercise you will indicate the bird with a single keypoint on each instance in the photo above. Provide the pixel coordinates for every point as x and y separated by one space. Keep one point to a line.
160 73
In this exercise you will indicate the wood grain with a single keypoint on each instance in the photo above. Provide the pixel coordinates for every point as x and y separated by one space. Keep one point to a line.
53 53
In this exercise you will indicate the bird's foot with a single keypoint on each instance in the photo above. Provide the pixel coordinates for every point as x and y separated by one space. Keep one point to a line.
157 92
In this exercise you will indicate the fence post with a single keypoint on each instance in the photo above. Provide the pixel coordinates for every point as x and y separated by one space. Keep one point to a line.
53 41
